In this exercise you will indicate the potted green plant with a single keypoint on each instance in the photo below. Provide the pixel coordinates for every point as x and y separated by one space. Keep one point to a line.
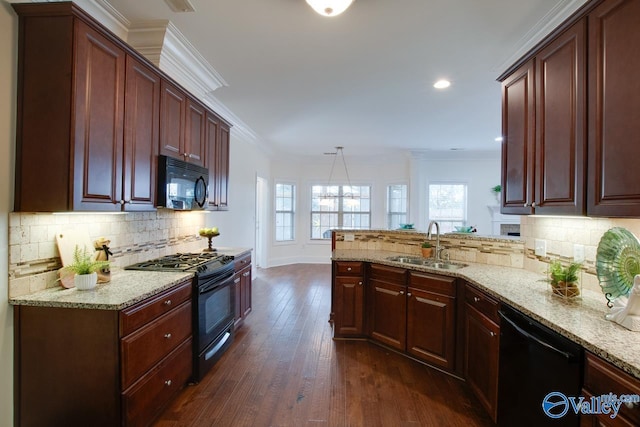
496 190
427 250
564 279
85 269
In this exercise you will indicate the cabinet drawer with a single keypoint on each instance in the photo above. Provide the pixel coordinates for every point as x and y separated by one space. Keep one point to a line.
144 401
140 314
483 303
145 347
601 377
389 274
242 261
433 283
349 268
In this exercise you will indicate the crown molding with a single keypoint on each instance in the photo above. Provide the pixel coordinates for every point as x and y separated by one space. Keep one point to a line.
556 16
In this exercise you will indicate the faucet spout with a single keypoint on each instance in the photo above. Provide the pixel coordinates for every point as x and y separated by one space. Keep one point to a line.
431 224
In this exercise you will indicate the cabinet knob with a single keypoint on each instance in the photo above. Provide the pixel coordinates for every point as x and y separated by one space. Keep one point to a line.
533 205
167 335
408 294
122 202
401 292
167 383
631 405
348 268
493 334
167 302
237 280
476 299
526 205
360 283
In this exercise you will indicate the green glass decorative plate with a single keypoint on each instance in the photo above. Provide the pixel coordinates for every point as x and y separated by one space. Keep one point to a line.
617 262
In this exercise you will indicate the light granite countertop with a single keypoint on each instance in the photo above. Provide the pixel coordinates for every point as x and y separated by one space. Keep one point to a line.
582 321
126 288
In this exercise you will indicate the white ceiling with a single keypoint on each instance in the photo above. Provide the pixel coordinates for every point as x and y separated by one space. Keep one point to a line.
304 83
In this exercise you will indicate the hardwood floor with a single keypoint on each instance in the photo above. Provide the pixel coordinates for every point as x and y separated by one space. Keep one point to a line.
284 369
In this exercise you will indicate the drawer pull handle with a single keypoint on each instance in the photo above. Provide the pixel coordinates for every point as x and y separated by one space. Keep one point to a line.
167 302
476 299
167 383
167 336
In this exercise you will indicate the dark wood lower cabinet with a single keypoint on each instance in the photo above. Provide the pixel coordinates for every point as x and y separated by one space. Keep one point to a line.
92 367
431 319
242 288
482 348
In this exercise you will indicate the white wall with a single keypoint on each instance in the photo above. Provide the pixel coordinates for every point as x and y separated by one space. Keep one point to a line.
237 225
8 66
480 171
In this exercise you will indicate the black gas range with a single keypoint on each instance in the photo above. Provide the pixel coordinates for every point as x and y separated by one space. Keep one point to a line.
213 302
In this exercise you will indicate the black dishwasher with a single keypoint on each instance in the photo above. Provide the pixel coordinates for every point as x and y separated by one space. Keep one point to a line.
540 372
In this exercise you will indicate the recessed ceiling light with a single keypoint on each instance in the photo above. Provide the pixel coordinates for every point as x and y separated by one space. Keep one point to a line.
498 139
442 84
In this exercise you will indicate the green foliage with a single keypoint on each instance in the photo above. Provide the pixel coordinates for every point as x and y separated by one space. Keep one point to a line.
426 245
83 264
560 273
497 188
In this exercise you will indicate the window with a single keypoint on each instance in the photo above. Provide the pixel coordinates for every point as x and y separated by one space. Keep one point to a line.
448 205
339 206
396 206
285 203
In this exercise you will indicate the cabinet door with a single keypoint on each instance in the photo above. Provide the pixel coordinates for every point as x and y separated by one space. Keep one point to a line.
99 116
212 133
481 358
195 137
348 306
222 168
237 319
141 135
172 120
431 327
518 109
245 291
614 108
560 124
388 313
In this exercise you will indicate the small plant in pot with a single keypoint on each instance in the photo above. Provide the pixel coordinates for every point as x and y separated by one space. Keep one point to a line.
85 269
427 250
564 279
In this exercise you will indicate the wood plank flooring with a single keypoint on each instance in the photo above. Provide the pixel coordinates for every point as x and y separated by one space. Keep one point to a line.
284 369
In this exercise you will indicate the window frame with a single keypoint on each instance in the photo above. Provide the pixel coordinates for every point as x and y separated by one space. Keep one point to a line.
340 212
389 213
292 212
442 221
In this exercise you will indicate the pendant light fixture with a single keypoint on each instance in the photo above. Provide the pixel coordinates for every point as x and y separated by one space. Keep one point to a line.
329 7
348 198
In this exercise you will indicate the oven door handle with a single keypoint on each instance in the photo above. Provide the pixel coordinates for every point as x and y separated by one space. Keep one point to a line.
217 284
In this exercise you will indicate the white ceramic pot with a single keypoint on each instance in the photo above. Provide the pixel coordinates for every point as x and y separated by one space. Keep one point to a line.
85 282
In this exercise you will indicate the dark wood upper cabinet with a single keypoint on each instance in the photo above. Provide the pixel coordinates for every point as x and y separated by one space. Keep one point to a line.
560 148
141 135
544 146
614 109
173 103
518 133
93 114
217 161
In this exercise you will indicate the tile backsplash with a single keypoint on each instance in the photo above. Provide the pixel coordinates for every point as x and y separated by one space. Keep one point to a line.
136 236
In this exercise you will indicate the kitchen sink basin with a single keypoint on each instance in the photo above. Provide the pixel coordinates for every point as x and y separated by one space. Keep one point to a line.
443 265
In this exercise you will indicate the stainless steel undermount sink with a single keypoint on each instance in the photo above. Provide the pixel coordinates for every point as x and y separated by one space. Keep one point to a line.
443 265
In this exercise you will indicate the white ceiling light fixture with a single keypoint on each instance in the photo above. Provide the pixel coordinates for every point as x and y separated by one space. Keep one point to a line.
180 5
329 7
442 84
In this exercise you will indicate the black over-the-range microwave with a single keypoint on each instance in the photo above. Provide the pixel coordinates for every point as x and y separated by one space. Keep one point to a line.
181 185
